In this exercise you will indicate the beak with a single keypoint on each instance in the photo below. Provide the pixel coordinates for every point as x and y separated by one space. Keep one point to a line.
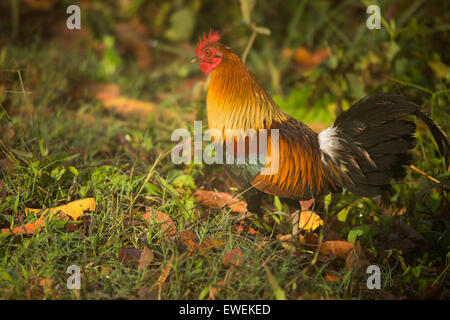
195 59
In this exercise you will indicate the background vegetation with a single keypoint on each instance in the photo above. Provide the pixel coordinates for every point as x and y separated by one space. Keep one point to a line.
88 114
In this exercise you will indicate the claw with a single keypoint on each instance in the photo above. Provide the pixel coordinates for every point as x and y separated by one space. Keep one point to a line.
242 216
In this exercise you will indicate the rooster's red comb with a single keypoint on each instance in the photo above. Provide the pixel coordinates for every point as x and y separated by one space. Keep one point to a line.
212 37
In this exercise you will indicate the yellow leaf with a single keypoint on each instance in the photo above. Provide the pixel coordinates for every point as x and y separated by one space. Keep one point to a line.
439 69
126 106
309 221
74 209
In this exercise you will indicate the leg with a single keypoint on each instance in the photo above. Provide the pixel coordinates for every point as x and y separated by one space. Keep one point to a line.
294 205
253 199
295 220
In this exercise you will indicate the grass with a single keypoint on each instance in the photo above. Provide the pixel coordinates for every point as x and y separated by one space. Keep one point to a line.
63 146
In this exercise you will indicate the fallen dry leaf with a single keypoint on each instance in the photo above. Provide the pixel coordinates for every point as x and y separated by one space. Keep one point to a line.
216 200
209 243
215 289
129 256
337 248
356 258
234 257
190 240
146 258
306 204
165 271
332 278
309 238
74 209
28 228
126 106
157 217
309 221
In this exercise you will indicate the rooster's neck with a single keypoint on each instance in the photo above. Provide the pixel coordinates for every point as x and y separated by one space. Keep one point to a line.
237 101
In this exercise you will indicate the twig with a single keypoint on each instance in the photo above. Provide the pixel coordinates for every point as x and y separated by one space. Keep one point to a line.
249 44
424 174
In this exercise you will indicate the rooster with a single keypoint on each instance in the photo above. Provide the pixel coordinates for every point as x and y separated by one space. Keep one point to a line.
367 146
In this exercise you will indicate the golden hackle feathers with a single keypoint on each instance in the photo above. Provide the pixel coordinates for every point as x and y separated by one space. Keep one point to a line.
236 101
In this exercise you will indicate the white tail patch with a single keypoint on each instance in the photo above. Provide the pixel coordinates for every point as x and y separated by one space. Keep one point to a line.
329 142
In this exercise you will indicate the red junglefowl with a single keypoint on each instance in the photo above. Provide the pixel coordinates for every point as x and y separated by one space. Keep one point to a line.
367 146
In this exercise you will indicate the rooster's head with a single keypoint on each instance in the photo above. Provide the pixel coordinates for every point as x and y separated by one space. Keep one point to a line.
209 52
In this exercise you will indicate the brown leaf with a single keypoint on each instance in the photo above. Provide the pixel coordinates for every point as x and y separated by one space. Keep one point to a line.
331 277
209 243
234 257
220 199
309 238
165 271
356 258
338 248
157 217
129 256
146 258
306 204
188 239
215 289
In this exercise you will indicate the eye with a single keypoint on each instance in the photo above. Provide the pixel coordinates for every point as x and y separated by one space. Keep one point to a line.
208 52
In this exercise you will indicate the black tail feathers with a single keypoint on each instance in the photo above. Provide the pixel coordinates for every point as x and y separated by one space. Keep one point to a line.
369 143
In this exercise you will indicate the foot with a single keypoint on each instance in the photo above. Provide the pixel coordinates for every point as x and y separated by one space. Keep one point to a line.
242 216
295 220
